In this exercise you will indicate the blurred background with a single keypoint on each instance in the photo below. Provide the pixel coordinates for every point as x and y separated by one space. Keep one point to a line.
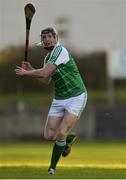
94 31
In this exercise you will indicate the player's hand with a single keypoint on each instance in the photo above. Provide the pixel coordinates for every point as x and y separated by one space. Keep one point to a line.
26 65
20 71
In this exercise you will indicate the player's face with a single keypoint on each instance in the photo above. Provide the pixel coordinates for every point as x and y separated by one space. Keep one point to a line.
48 40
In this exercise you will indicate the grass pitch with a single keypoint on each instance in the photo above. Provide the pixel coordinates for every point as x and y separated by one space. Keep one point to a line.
87 160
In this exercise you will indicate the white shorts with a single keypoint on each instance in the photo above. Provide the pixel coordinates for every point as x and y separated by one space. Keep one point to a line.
74 105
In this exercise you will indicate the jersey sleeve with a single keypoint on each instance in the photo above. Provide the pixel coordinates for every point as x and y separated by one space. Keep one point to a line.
59 56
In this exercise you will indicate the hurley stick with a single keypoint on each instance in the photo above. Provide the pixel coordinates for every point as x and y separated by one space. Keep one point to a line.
29 10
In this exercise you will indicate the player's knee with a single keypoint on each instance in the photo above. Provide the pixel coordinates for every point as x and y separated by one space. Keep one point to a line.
62 134
48 137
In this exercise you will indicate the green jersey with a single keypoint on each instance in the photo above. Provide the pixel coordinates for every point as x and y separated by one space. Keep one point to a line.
67 80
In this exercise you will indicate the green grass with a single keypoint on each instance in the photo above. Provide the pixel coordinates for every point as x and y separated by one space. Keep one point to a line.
88 160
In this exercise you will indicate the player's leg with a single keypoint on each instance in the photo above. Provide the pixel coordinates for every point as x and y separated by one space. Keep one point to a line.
51 127
74 106
50 133
53 122
69 122
66 125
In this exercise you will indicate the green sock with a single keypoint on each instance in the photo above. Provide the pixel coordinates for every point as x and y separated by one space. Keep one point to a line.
69 137
57 151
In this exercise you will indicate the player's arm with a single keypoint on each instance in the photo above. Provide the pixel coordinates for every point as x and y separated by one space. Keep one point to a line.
44 72
27 66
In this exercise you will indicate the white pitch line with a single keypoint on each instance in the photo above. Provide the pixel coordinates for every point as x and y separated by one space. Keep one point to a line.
109 166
